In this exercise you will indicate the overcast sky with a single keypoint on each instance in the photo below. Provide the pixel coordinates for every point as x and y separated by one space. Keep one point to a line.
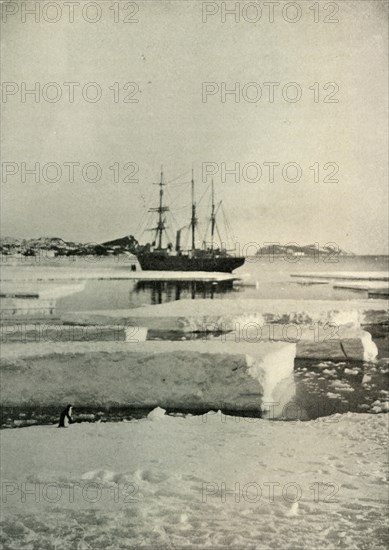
169 53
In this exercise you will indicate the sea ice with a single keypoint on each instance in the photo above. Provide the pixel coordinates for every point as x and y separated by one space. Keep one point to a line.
157 414
178 484
182 375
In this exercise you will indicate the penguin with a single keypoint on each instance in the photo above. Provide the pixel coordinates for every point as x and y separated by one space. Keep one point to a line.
66 417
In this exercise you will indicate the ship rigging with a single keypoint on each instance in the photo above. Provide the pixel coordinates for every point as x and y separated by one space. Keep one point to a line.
208 257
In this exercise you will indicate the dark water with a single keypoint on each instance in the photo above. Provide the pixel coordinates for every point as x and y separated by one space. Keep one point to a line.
266 280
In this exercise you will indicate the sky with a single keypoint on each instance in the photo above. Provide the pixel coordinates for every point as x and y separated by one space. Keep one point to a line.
168 50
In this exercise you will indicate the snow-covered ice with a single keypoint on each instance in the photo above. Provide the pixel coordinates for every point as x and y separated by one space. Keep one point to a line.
177 483
93 271
183 375
225 314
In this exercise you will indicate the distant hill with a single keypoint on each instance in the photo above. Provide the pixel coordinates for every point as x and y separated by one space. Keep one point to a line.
55 246
59 247
309 250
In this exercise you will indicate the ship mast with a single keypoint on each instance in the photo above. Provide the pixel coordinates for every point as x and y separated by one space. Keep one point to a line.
213 216
193 221
160 209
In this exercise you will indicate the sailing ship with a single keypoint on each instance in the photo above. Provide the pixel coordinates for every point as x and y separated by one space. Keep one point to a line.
157 257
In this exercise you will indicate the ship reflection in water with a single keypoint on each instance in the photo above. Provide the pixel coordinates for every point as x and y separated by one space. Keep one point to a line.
160 292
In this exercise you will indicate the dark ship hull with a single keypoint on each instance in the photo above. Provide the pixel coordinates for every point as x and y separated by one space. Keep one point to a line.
154 261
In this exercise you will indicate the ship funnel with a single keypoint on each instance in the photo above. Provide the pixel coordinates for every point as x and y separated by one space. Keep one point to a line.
178 240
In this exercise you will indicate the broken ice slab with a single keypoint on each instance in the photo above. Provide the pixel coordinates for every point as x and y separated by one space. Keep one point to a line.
381 293
188 375
22 332
32 274
20 300
350 275
27 308
224 315
332 343
325 342
365 286
358 348
39 290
